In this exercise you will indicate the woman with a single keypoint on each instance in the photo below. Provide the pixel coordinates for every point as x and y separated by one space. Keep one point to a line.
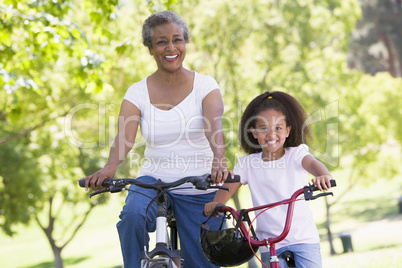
179 112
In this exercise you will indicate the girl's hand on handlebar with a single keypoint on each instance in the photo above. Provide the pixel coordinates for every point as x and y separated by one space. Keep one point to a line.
209 208
95 180
322 182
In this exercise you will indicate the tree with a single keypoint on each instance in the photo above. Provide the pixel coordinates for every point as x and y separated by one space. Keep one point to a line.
299 47
65 66
48 66
377 41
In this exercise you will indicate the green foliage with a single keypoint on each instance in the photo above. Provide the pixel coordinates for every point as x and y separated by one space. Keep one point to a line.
65 67
19 168
294 46
48 65
159 5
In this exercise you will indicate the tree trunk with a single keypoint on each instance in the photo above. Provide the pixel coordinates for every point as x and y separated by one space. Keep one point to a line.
58 261
328 225
391 61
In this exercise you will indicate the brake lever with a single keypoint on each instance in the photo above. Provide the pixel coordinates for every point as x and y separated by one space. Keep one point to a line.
99 192
217 211
116 189
219 187
308 194
111 189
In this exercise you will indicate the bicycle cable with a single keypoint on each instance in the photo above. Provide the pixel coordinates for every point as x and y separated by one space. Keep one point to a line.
262 211
155 200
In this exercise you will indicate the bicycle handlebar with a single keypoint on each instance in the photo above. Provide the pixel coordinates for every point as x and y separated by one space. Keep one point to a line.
309 189
313 188
308 195
202 182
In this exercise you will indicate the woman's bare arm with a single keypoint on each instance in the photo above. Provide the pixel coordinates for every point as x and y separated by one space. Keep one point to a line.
129 119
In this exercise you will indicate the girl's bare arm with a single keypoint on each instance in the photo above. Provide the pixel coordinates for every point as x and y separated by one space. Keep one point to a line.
319 170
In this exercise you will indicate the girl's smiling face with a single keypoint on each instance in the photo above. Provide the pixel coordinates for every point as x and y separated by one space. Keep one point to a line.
271 132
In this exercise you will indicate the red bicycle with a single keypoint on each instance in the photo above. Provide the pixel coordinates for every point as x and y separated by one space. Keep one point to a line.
235 246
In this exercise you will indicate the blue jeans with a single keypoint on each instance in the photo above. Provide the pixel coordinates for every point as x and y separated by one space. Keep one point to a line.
306 256
188 213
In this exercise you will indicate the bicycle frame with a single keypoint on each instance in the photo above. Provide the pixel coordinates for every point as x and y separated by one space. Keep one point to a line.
168 253
163 255
271 242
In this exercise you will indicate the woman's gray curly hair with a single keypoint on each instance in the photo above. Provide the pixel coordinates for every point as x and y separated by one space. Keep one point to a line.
161 18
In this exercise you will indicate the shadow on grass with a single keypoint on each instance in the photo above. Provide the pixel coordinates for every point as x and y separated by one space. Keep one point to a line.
361 211
66 262
367 215
364 210
384 247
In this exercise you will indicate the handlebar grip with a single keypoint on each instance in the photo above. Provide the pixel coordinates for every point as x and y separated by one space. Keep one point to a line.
333 184
81 183
106 182
230 180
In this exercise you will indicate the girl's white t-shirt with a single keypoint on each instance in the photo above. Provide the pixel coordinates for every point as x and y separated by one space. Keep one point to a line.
274 181
176 145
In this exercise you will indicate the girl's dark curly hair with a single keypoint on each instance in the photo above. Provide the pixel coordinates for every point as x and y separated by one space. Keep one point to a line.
295 116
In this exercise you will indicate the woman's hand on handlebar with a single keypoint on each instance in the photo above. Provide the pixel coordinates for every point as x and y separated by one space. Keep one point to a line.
322 182
220 171
95 180
219 175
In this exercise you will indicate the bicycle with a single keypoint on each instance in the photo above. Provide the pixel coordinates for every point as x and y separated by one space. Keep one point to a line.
166 253
218 245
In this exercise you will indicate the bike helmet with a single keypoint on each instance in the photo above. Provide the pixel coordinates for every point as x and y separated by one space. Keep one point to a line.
226 247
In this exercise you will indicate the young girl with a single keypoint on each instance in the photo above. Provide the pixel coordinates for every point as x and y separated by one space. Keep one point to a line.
272 133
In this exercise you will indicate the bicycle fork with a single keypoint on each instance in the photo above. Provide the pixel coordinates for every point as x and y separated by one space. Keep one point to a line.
163 255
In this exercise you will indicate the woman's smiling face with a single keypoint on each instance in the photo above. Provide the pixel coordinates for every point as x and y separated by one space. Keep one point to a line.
271 132
168 46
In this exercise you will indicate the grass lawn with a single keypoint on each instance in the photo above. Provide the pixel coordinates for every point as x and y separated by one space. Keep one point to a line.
370 213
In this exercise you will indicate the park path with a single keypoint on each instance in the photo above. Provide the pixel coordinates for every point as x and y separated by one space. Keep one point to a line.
377 244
